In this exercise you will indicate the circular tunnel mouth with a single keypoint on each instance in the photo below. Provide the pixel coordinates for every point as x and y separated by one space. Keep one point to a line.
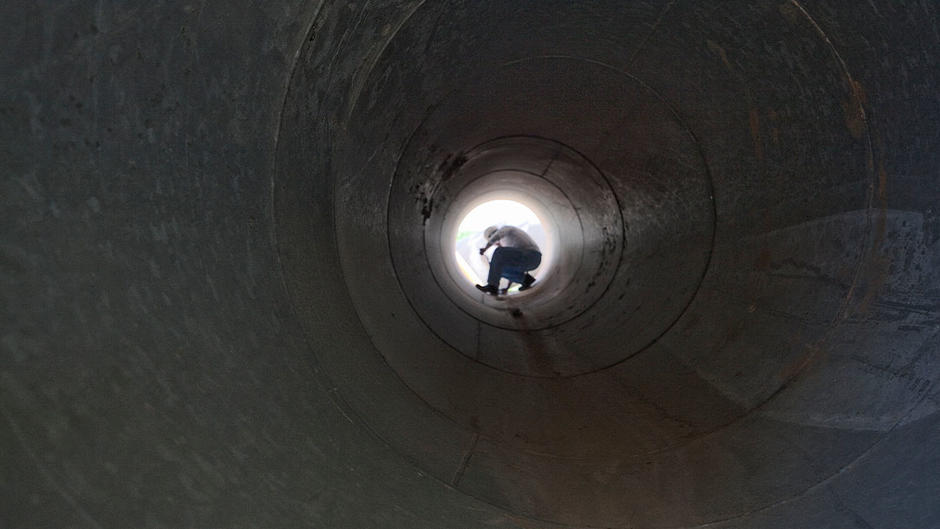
576 208
605 232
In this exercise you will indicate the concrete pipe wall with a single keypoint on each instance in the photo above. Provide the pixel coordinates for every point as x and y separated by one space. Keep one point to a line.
230 298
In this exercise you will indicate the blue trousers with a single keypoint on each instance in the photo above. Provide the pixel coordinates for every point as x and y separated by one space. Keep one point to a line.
512 263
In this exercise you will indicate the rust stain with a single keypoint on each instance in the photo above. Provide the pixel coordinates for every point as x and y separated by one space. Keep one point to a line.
855 110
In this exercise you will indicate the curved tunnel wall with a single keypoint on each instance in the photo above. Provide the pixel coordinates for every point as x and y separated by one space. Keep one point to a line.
224 309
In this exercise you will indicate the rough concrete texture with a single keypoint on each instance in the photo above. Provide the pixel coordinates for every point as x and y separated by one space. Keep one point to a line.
222 306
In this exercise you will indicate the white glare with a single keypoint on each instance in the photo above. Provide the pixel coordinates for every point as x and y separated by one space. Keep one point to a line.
474 266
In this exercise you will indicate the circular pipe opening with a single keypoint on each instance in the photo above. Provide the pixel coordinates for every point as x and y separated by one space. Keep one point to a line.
562 188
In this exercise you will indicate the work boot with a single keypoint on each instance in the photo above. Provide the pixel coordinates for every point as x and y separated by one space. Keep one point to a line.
527 282
489 289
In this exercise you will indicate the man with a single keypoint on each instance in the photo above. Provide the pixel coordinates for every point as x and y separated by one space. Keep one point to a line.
516 254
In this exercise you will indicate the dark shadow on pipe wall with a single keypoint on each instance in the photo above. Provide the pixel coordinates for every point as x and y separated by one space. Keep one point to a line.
225 302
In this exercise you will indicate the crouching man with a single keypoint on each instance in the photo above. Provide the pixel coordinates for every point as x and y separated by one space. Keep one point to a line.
515 255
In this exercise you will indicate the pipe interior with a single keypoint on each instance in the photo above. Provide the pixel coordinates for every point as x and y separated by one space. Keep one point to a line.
234 302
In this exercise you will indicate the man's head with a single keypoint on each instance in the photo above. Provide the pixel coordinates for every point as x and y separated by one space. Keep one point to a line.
488 232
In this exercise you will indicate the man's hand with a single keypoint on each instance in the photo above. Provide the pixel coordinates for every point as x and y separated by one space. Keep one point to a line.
482 251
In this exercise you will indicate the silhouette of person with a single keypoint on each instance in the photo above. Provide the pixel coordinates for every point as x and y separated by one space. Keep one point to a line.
515 255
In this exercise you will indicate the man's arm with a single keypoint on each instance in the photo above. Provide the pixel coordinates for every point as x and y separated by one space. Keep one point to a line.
494 239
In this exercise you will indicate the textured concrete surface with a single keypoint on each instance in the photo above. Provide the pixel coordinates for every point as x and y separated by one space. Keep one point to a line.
224 303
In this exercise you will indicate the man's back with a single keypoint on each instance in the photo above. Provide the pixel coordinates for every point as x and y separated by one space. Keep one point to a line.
513 237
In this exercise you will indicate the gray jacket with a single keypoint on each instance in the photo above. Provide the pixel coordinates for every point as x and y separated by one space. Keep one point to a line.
513 237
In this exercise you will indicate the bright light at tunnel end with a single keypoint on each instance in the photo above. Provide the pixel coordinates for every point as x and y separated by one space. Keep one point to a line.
469 238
